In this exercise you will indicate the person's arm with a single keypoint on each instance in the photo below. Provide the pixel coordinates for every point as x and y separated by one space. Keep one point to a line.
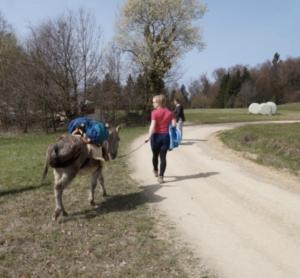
151 128
173 122
177 113
75 131
182 114
86 140
83 138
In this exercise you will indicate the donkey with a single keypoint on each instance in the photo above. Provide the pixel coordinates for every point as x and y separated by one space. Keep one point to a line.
69 156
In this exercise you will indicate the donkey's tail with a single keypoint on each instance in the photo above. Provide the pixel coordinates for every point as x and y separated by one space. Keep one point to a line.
46 166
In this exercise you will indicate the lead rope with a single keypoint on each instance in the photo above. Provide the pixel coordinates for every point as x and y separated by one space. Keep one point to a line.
130 152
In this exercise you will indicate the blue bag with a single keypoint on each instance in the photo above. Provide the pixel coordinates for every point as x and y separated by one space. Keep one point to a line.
97 132
175 137
78 123
93 130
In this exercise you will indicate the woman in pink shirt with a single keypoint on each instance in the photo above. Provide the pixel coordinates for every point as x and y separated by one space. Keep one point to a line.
161 117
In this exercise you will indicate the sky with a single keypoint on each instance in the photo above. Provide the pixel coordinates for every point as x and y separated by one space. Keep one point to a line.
236 32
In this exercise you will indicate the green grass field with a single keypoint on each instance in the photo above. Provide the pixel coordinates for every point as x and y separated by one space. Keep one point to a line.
122 237
211 116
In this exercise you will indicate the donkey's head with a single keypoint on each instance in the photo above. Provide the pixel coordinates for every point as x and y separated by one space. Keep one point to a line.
113 140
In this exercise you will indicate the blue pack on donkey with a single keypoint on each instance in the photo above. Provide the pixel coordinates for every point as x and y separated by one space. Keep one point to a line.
92 131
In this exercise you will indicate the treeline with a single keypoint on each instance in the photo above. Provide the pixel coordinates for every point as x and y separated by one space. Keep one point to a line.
63 69
276 80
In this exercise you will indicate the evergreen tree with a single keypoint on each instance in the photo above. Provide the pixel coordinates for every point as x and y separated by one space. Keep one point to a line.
246 75
184 93
222 97
129 94
107 97
233 88
276 83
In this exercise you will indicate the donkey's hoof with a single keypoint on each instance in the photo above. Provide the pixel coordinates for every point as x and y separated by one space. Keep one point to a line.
55 216
64 213
92 203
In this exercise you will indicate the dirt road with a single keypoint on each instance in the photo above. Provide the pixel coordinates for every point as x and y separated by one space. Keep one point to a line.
241 218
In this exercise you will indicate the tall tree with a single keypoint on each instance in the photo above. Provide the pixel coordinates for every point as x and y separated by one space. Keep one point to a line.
157 33
129 100
205 88
184 92
276 83
290 78
234 86
222 97
68 49
8 48
10 52
106 96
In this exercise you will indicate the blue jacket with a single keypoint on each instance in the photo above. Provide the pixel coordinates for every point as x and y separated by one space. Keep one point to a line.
94 130
175 137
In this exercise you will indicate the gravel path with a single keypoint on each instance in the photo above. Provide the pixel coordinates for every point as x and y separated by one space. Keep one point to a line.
242 219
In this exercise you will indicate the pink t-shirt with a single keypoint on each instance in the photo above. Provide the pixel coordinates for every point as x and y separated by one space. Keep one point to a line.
162 117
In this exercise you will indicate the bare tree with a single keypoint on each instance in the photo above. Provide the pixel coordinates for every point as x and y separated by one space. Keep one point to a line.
9 55
194 87
68 52
113 62
218 74
200 92
246 95
289 74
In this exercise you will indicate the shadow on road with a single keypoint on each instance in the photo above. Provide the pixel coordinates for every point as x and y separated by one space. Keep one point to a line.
189 142
150 190
195 176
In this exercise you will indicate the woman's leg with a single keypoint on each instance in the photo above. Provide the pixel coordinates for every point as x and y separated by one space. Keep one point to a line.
160 144
163 162
179 127
155 160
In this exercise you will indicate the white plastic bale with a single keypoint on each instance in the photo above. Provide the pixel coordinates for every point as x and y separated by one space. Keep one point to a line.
273 107
264 109
253 108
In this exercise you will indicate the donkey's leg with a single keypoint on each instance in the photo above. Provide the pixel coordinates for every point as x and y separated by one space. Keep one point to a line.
93 186
101 180
97 175
66 176
57 193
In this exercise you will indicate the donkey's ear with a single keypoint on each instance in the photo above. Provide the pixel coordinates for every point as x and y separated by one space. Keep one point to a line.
119 127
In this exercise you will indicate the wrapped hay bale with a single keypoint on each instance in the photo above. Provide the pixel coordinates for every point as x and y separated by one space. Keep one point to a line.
264 109
273 107
253 108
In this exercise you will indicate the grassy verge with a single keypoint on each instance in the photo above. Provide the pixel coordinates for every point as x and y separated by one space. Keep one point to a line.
274 145
119 238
